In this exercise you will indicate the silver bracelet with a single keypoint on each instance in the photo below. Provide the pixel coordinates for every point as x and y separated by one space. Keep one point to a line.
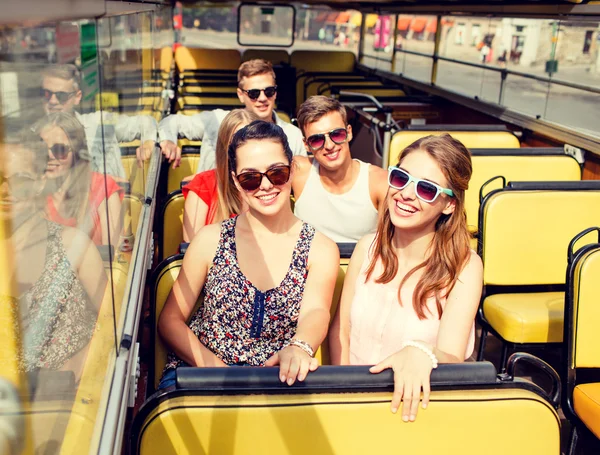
425 349
302 345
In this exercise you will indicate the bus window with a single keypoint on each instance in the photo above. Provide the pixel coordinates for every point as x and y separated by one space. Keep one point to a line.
416 34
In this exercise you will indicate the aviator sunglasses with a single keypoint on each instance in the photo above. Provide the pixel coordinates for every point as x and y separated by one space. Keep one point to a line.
250 181
317 141
62 97
254 93
60 151
424 189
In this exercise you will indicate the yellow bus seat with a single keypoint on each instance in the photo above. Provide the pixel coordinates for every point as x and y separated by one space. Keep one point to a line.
133 207
208 88
134 174
581 392
172 219
526 228
515 165
194 58
284 116
338 412
470 139
323 61
187 101
276 57
187 166
586 401
166 59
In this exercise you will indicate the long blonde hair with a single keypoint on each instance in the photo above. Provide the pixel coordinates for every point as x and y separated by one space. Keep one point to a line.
449 250
229 200
77 194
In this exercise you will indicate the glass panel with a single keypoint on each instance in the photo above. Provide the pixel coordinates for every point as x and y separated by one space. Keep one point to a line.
463 79
574 108
379 40
525 95
417 67
66 211
51 197
266 25
490 86
332 30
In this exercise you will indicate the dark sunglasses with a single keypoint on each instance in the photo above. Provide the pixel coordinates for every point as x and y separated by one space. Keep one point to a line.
424 189
254 93
62 97
317 141
59 151
21 185
250 181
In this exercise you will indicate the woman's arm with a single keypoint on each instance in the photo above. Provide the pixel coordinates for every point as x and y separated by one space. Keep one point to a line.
172 324
313 320
339 333
194 216
412 366
113 223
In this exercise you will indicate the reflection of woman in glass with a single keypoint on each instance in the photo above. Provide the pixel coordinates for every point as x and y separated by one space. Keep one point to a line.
59 275
78 197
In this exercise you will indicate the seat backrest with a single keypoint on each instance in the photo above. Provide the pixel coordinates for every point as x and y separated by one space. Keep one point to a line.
470 139
187 167
132 206
275 56
165 275
172 216
345 419
134 174
525 233
515 168
165 59
584 317
187 58
323 61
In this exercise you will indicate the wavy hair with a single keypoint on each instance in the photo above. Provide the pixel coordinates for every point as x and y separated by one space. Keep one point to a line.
449 250
229 200
77 194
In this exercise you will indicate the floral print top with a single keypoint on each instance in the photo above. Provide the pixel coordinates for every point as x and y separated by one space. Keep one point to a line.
240 324
57 316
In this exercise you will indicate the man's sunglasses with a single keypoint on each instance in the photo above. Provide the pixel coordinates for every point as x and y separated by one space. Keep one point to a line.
21 185
62 97
250 181
424 189
254 93
60 151
317 141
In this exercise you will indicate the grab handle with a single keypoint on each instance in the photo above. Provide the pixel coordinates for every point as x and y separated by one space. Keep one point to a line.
488 182
554 395
578 237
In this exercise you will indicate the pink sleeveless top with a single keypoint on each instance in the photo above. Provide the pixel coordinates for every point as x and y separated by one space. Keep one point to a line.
379 324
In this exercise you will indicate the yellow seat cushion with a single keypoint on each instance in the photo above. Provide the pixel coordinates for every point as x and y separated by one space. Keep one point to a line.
527 318
586 400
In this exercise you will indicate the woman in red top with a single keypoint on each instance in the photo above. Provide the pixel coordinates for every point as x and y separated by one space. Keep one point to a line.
77 196
211 196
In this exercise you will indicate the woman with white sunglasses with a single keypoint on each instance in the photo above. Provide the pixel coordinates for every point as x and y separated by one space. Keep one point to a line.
412 289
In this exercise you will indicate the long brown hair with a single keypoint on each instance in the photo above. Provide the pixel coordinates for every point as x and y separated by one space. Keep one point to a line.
77 194
449 250
229 200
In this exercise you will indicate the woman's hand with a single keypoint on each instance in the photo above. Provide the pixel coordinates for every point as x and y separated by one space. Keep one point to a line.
412 370
294 363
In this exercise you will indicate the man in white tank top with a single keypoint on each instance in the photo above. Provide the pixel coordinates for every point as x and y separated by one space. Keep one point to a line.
339 196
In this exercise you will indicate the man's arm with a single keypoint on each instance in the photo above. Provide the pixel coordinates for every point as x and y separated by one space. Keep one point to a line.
171 127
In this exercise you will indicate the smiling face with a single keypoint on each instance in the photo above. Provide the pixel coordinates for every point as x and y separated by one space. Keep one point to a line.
60 152
331 156
263 105
19 183
263 156
407 211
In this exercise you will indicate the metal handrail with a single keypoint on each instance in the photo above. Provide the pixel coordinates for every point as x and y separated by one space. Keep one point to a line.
504 71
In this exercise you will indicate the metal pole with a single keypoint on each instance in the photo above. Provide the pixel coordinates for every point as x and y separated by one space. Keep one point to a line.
436 50
361 42
387 140
395 43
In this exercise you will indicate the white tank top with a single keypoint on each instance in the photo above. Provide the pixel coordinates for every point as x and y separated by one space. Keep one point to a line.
341 217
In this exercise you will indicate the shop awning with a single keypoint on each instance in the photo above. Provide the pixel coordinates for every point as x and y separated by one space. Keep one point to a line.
331 17
342 18
432 26
418 24
404 23
321 16
371 20
356 19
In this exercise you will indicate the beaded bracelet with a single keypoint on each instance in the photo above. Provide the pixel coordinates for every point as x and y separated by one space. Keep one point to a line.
425 349
302 345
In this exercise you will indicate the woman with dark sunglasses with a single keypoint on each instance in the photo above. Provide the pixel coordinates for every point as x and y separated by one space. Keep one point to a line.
59 275
267 277
77 196
412 289
211 196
